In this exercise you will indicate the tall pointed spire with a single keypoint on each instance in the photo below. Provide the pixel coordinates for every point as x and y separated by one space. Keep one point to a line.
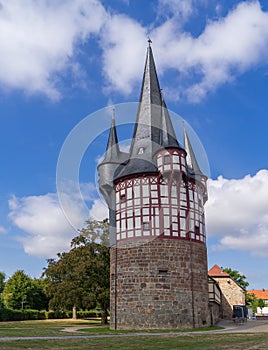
148 122
191 161
167 136
153 128
112 150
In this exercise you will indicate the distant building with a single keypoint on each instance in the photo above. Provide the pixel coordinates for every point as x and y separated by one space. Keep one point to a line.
231 292
156 196
261 294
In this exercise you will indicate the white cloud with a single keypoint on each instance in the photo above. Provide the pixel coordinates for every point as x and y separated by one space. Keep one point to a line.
99 210
50 225
237 213
123 44
40 44
38 40
180 9
41 217
225 49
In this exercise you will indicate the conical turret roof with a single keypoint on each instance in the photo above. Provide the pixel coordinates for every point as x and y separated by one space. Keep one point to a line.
167 136
192 164
153 128
112 149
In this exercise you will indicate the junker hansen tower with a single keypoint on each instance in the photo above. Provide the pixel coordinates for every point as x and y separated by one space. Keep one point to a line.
156 196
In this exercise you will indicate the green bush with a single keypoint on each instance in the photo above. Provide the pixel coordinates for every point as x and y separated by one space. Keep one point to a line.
57 314
88 314
28 314
20 315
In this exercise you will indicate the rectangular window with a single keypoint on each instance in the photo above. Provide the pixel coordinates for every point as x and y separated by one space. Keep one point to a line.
129 193
123 197
176 159
196 230
167 159
138 222
130 224
146 226
136 191
166 221
137 201
145 190
145 211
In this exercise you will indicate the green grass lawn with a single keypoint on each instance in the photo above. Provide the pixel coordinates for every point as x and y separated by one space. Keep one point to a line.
181 340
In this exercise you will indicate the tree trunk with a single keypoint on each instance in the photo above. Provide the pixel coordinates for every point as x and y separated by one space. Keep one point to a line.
104 316
74 313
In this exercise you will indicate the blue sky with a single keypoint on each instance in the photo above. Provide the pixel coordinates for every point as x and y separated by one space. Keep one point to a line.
64 60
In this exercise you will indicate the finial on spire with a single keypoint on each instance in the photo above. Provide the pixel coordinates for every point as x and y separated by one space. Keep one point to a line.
149 41
113 113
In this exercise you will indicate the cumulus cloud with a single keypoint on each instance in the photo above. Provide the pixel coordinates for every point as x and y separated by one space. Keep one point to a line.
181 10
122 41
237 213
38 40
226 48
99 210
50 221
41 217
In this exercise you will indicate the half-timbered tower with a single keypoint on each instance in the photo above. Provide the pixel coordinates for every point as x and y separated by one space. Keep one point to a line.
156 197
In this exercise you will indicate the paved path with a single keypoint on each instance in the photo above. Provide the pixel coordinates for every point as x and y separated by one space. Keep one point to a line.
229 327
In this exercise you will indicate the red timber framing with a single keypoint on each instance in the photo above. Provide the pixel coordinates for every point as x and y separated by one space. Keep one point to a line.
167 205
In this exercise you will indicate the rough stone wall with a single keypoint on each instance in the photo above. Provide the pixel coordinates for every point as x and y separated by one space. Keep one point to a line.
232 294
215 312
160 283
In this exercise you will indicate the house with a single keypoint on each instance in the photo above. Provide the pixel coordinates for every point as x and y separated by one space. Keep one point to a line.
231 292
261 294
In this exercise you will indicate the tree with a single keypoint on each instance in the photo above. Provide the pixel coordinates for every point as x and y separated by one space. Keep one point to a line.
2 285
237 277
261 304
96 231
21 292
2 281
251 301
80 278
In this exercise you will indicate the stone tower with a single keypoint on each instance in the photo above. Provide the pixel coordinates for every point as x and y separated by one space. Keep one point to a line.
156 197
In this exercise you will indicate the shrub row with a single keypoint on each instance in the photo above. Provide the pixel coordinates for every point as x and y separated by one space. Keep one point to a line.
22 315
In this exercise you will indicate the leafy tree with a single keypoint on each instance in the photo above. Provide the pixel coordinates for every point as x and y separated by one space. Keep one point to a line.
251 301
22 292
237 277
80 278
2 281
2 285
96 231
261 304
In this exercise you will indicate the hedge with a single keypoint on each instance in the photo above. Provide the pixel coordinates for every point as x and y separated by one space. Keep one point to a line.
27 314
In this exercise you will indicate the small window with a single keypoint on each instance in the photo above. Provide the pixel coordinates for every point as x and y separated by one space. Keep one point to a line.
163 271
146 226
141 150
167 159
123 198
196 230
